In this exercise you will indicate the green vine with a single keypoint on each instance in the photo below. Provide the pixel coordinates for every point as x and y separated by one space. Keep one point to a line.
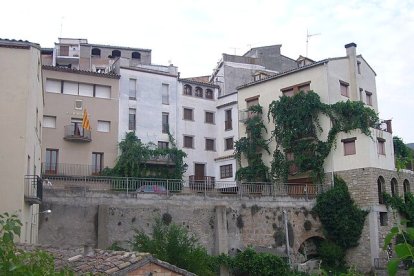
405 206
133 161
297 128
251 147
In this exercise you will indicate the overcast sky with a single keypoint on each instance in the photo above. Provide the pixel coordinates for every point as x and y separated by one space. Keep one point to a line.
193 34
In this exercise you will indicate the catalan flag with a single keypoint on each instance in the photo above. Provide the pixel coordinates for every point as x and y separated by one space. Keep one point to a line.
85 120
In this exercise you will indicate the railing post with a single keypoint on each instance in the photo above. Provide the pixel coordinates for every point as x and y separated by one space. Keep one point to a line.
127 185
306 192
167 188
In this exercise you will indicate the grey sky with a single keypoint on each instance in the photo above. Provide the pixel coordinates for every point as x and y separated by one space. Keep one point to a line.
194 34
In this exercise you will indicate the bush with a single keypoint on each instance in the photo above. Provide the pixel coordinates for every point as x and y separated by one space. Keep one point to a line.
332 255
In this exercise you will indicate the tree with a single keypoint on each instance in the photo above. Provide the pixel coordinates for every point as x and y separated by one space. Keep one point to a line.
403 154
173 244
14 261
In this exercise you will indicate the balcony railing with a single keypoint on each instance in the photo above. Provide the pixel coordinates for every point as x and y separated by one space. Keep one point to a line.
33 189
75 132
69 169
245 114
201 183
385 125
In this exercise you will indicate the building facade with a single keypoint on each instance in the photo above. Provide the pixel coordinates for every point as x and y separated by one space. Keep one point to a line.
22 102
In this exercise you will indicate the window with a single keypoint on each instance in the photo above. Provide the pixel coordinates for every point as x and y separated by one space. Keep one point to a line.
103 126
383 218
97 162
70 88
228 143
51 165
349 146
116 53
406 186
344 88
361 95
53 86
209 94
188 142
132 119
132 89
294 89
210 144
165 93
381 146
227 120
226 171
165 123
188 114
136 55
209 117
85 90
359 67
198 92
368 98
381 189
102 91
251 102
188 90
394 187
64 50
162 145
96 52
49 121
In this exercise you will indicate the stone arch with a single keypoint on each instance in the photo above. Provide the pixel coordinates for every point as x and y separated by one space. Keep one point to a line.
394 187
381 189
116 53
308 247
198 92
136 55
406 186
188 90
96 52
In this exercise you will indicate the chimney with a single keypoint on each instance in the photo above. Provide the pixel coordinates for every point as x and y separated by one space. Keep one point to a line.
352 67
351 49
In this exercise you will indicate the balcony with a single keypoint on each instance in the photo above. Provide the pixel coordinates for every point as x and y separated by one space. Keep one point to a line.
76 133
61 169
245 114
33 189
384 125
201 183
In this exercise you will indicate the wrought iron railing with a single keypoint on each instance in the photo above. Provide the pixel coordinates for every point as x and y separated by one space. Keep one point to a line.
77 132
33 189
69 169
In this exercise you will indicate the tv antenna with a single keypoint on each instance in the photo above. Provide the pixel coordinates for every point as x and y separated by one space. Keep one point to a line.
235 50
308 35
61 25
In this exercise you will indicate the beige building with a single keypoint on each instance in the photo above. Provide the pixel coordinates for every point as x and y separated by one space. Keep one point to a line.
68 147
21 108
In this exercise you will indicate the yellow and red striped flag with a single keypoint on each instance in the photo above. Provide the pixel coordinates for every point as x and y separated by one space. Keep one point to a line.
85 120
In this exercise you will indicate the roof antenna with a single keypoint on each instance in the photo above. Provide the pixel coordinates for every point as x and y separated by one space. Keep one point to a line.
61 25
308 35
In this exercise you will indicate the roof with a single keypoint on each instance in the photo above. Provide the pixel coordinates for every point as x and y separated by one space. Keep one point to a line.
18 44
98 261
116 47
284 73
82 72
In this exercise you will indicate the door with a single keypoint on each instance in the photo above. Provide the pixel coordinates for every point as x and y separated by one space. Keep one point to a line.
199 171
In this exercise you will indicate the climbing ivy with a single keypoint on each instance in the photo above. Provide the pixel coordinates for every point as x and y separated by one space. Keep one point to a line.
133 161
251 147
405 206
297 128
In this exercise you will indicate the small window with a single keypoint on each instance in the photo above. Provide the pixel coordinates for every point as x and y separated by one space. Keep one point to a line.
288 92
96 52
406 186
132 119
132 89
226 171
228 120
85 90
103 126
103 92
381 146
228 143
188 90
188 142
136 55
49 121
210 144
165 123
70 88
305 88
198 92
368 98
165 93
359 67
344 88
383 218
394 187
209 94
162 145
53 86
116 53
349 146
381 189
361 95
188 114
209 117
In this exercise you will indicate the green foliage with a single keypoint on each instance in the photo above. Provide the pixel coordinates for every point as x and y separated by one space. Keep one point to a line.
404 206
342 220
297 128
251 147
134 156
173 244
251 263
14 261
403 154
333 255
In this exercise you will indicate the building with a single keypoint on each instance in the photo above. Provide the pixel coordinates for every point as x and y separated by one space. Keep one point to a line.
22 102
366 163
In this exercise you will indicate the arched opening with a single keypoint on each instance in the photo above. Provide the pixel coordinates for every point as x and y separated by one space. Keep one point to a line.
381 189
309 248
116 53
394 187
199 92
406 185
136 55
188 90
96 52
209 94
